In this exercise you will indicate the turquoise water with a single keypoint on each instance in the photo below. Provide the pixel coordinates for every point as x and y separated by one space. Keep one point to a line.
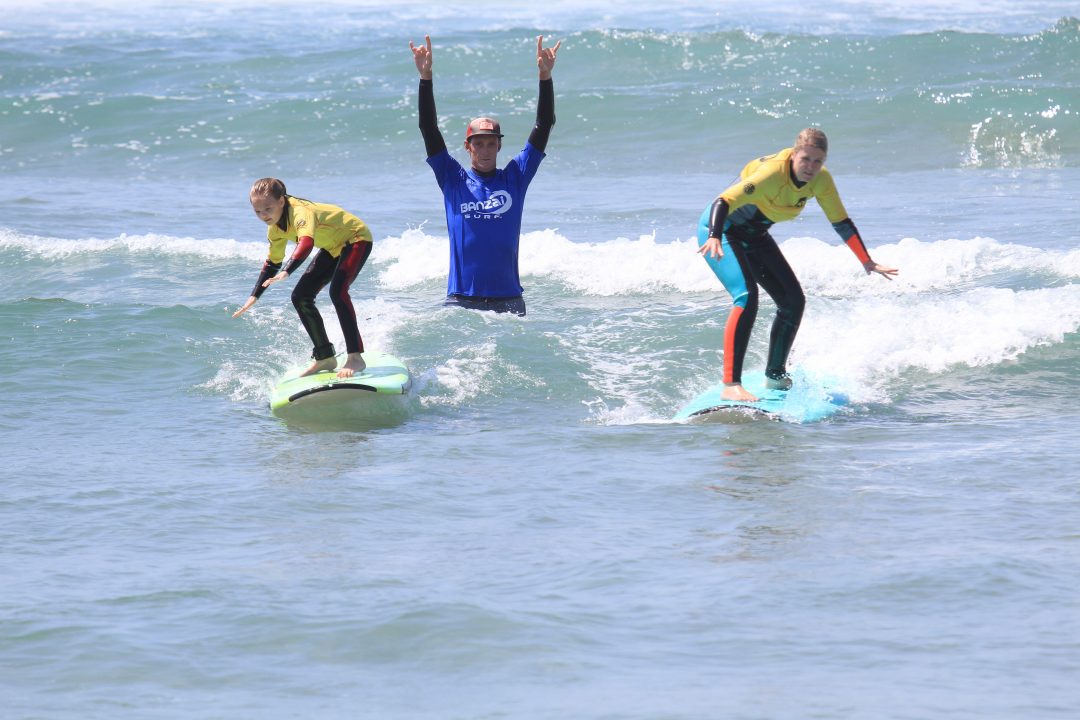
537 539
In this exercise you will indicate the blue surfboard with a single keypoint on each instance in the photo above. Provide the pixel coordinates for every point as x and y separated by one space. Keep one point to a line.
805 402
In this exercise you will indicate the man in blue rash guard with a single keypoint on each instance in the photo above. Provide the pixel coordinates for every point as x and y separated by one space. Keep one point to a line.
484 204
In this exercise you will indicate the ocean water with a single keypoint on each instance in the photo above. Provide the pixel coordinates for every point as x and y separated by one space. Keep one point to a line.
537 539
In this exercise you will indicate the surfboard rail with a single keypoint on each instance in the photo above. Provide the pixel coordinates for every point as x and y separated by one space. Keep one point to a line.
380 389
805 402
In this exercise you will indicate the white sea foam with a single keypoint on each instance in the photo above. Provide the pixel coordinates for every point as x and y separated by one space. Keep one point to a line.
624 267
646 267
53 248
956 303
874 338
410 259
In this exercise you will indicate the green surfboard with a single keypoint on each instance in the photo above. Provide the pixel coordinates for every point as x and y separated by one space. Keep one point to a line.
380 390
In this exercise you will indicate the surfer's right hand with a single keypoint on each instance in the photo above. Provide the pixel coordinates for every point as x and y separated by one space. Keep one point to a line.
245 307
711 248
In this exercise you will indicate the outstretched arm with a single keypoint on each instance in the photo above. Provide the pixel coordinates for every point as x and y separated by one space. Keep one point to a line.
269 269
850 234
429 119
545 106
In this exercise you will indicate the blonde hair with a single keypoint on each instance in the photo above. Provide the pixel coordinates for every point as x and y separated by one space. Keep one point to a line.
269 187
812 137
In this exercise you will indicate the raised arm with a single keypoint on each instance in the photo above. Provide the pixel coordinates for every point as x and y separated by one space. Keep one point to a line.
545 106
429 119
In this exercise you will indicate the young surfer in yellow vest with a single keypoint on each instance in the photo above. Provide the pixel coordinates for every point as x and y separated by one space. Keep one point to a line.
344 243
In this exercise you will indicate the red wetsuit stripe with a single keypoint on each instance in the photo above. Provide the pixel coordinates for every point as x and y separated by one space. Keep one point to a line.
856 244
304 246
730 353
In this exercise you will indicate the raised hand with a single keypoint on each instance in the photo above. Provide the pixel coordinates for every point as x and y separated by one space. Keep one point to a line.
545 57
422 57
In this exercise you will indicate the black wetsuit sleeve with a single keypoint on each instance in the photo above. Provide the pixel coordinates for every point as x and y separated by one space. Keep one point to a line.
545 116
845 229
717 217
269 270
429 120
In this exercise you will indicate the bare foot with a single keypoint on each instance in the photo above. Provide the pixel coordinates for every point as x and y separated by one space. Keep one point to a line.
354 363
320 366
737 392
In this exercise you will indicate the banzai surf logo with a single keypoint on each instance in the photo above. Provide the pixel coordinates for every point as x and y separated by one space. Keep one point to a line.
496 205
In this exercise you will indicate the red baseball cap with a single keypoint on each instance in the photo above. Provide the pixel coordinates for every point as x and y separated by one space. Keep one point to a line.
483 126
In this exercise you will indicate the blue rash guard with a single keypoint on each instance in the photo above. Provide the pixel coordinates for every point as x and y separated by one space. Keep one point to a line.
483 219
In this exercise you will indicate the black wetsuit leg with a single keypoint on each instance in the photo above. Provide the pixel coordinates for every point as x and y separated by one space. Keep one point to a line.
772 271
315 277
